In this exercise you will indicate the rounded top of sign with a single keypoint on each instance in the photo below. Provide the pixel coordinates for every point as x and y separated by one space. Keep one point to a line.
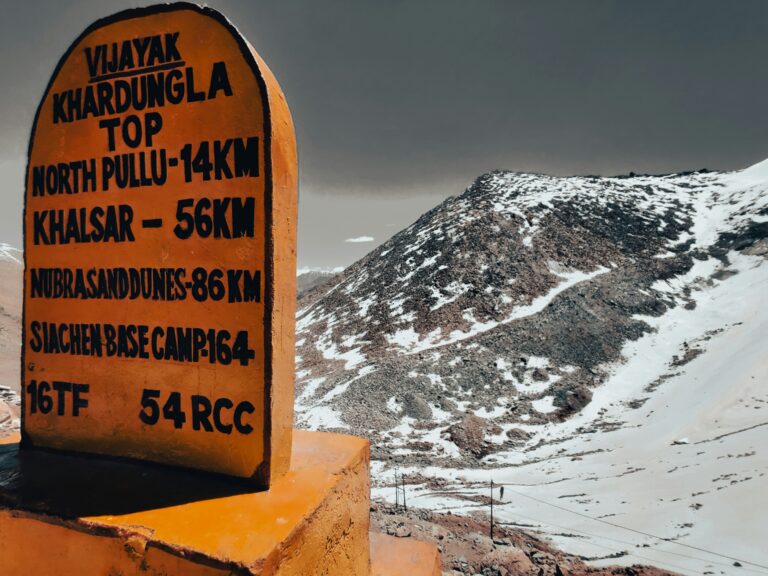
246 49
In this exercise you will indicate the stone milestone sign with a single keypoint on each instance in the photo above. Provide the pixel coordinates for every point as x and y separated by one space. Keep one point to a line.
160 214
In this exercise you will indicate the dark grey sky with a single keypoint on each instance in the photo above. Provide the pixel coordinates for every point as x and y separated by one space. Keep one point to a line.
399 103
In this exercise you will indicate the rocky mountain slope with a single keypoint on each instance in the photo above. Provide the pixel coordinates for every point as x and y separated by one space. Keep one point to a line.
513 300
598 345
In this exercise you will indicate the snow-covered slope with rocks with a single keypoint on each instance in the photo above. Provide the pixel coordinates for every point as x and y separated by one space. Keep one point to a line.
667 465
598 344
515 300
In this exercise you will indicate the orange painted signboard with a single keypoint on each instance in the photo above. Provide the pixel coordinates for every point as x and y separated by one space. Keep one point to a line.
160 215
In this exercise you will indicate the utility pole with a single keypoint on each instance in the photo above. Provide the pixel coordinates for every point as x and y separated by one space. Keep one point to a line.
402 480
491 509
397 492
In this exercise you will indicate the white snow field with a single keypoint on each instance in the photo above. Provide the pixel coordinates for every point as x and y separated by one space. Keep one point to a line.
680 482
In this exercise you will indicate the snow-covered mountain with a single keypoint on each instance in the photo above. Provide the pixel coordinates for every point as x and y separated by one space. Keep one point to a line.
598 344
516 299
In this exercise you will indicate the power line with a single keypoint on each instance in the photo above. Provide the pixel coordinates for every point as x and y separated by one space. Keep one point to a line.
703 560
460 506
697 558
680 569
637 531
613 524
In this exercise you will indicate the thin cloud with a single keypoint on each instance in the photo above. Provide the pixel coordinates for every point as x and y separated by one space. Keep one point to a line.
360 239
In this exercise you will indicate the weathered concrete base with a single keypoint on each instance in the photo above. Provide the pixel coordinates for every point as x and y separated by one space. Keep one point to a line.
64 515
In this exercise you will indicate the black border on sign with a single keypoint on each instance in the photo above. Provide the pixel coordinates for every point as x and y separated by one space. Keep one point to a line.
262 472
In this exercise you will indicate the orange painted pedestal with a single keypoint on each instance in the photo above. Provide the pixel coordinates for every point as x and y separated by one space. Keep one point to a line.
66 515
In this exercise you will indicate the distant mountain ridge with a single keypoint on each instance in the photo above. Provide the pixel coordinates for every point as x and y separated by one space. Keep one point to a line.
513 301
308 279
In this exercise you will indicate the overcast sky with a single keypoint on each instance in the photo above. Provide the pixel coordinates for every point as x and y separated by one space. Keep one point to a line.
399 104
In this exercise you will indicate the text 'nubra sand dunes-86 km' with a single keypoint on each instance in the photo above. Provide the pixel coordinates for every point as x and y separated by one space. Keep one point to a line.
321 288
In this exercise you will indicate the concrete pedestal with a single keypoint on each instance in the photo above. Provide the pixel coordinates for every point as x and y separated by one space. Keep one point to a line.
76 515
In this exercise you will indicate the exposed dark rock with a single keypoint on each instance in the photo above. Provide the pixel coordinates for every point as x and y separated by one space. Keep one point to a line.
539 375
471 434
518 436
573 398
416 407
